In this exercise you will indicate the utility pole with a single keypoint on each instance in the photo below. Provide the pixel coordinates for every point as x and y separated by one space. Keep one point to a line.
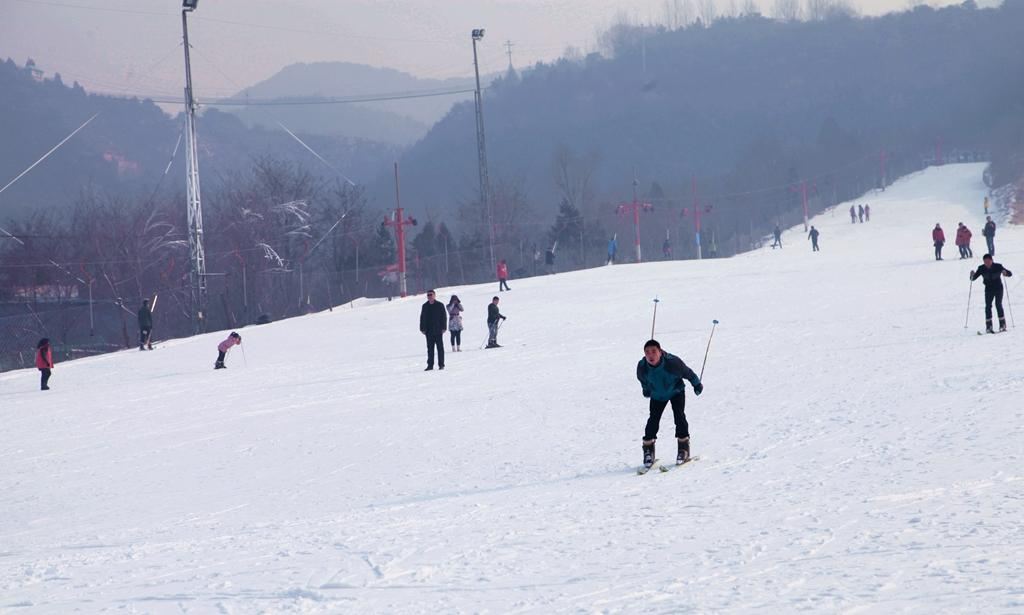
802 188
508 50
197 256
697 210
398 223
635 207
481 147
882 159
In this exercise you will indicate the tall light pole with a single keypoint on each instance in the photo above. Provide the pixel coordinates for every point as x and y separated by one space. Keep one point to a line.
197 256
481 147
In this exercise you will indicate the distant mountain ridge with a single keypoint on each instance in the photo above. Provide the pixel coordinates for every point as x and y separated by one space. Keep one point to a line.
399 122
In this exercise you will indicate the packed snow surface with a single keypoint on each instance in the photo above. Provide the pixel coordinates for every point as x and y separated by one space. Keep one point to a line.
861 451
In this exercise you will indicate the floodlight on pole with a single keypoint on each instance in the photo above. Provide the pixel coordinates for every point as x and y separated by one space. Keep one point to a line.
481 147
197 255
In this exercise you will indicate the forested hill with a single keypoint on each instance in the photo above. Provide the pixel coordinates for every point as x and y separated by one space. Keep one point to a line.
126 149
746 103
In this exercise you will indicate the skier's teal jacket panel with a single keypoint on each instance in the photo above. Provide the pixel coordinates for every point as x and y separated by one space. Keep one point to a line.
665 380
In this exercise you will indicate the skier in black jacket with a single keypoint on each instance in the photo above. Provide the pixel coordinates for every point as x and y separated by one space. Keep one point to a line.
145 326
662 377
992 274
493 317
433 324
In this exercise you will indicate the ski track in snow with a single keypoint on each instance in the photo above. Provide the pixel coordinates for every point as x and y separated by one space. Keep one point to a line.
860 451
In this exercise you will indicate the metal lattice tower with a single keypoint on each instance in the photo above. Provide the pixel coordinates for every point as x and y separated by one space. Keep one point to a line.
481 147
197 256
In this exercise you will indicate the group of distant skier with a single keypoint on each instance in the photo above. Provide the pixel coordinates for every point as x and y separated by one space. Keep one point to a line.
963 238
813 235
862 214
437 318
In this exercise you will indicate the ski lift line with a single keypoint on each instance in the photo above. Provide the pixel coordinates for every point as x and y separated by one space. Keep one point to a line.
331 101
47 154
318 156
96 8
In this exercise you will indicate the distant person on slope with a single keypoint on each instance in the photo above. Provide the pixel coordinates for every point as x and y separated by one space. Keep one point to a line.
853 215
860 212
455 322
433 323
145 326
222 349
778 237
494 317
938 240
963 241
666 249
990 235
662 376
44 362
992 273
867 213
549 260
986 206
813 236
613 247
503 275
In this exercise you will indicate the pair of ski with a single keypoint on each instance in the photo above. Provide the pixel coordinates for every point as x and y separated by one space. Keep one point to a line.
992 332
664 468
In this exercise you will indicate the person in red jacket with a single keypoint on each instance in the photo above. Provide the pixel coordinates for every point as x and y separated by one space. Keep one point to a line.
963 241
938 238
44 361
222 349
503 276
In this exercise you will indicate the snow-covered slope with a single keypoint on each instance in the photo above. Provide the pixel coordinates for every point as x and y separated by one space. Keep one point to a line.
861 451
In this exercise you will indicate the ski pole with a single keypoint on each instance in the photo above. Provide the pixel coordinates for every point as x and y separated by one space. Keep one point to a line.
655 319
969 303
714 323
1009 306
244 362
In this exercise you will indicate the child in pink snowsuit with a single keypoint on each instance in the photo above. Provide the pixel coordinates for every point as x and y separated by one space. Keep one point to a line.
222 348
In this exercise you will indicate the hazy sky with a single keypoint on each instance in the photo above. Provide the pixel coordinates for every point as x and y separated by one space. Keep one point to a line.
134 46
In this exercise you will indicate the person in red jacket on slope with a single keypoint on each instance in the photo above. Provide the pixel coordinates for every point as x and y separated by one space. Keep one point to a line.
938 238
503 276
44 361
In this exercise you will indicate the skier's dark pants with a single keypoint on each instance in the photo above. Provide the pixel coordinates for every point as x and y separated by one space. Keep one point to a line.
503 285
678 413
991 241
435 340
990 295
938 250
44 378
814 245
144 336
492 332
457 338
220 357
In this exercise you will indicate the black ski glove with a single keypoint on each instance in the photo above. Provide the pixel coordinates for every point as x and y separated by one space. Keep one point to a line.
647 393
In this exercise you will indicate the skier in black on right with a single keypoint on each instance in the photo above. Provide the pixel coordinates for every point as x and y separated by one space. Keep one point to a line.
662 377
992 274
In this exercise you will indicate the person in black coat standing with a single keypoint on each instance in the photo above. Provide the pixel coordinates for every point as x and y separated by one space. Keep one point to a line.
494 316
145 326
433 324
992 273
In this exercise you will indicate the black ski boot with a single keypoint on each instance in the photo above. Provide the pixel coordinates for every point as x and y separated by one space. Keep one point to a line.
684 451
648 455
1002 325
988 327
219 365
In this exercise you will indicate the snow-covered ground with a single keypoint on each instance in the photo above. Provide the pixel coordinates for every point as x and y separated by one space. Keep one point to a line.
861 450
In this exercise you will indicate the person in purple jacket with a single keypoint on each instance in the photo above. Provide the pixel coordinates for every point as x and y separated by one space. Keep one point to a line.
222 349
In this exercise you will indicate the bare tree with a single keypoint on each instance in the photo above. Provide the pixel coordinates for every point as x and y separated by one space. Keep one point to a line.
707 11
750 8
786 10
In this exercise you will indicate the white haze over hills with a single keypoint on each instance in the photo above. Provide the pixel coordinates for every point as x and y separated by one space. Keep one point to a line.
860 450
127 46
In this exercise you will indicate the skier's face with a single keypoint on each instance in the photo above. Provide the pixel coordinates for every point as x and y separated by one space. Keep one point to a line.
430 297
652 354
